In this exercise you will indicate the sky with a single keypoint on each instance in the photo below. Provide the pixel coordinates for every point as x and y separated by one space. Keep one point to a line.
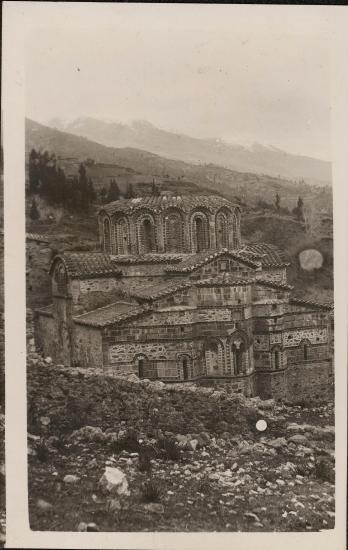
207 71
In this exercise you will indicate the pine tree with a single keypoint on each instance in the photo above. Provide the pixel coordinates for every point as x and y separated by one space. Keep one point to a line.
277 201
114 192
130 192
103 194
34 212
154 190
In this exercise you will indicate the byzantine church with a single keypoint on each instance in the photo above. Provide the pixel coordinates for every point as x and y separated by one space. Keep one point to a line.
175 294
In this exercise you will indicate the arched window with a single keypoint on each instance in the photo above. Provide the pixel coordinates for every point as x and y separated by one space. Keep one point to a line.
221 231
61 279
200 230
305 351
214 358
122 237
238 356
141 363
147 238
185 367
276 358
174 238
107 236
235 231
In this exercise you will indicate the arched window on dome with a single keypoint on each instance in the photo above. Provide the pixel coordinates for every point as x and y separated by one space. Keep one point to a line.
221 229
122 237
235 231
107 236
147 236
200 233
174 234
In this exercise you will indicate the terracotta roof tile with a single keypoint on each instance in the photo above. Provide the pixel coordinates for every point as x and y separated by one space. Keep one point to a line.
81 265
147 259
195 261
162 202
113 313
308 303
268 254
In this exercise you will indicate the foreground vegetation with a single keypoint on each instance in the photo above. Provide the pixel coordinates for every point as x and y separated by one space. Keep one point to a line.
192 457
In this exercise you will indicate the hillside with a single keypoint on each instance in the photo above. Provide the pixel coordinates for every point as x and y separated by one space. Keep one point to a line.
129 165
255 158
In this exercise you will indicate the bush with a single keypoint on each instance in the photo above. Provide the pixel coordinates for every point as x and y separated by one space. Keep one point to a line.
144 463
42 451
324 470
151 490
129 442
169 449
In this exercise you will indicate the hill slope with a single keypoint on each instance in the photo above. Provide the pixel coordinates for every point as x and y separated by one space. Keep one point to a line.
255 158
135 165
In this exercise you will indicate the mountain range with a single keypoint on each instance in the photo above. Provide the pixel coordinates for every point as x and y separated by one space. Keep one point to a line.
254 158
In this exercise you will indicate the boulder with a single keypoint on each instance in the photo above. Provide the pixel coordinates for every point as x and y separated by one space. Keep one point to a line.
277 443
114 481
298 439
155 507
69 478
88 433
43 505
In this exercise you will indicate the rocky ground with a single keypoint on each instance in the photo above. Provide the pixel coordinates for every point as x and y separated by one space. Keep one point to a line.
116 454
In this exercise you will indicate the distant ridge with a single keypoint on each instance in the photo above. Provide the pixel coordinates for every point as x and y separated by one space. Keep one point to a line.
255 158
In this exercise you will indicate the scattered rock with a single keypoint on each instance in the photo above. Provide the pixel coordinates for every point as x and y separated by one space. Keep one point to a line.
82 526
113 505
92 527
298 438
114 481
155 507
44 505
69 478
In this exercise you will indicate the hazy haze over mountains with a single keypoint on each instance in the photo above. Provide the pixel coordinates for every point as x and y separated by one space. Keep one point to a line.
244 158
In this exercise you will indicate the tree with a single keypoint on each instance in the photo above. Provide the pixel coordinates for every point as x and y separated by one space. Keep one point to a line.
114 192
103 194
298 211
34 212
154 189
129 193
277 201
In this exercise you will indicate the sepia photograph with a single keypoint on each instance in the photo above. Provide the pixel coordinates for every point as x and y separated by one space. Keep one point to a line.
179 271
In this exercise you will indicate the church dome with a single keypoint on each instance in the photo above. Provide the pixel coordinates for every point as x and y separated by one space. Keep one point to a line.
169 224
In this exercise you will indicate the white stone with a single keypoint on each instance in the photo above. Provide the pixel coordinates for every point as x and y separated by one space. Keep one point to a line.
114 481
69 478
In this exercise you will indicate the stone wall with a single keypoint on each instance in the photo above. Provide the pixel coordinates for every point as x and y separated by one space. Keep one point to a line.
88 347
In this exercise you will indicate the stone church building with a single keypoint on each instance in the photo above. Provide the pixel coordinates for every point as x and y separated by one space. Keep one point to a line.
176 295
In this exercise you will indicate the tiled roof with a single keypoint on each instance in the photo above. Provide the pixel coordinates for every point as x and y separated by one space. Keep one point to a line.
268 254
162 202
37 237
308 303
224 279
273 284
113 313
147 259
159 290
195 261
80 265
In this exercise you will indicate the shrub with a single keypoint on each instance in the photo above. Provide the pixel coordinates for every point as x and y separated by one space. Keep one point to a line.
323 469
151 490
129 442
203 486
42 451
169 449
144 463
